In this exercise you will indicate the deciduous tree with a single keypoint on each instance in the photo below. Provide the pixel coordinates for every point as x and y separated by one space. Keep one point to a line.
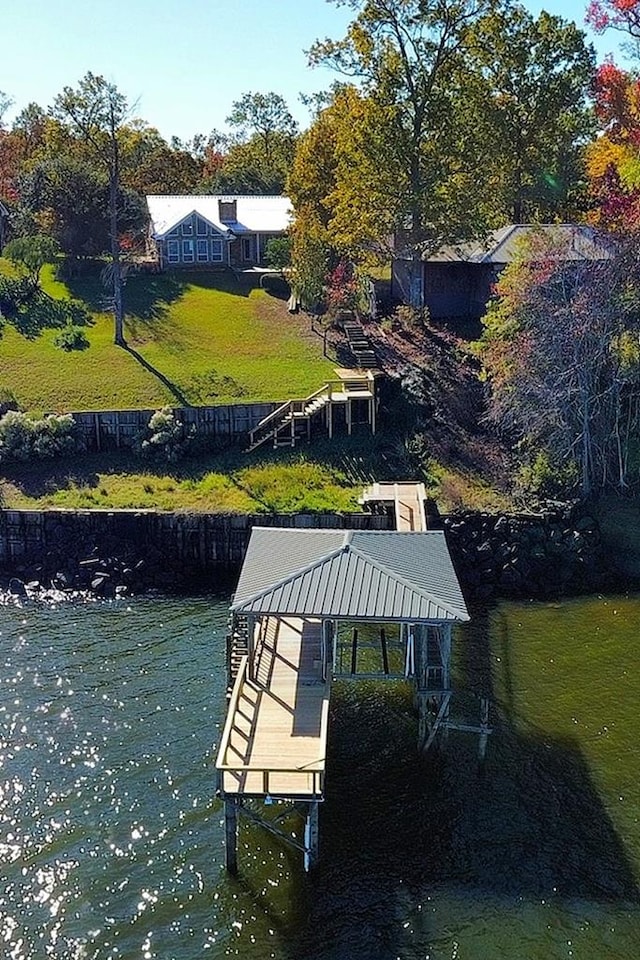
562 357
97 111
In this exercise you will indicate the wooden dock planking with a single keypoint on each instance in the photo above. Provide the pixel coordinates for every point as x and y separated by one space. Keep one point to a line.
275 741
408 502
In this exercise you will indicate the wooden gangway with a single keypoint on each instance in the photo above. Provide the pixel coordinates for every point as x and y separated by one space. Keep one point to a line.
407 499
275 736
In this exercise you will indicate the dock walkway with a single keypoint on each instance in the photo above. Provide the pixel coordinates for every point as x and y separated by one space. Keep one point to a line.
274 740
408 503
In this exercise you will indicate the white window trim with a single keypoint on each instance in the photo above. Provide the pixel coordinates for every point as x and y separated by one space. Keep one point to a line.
217 250
188 245
202 257
173 255
205 231
187 228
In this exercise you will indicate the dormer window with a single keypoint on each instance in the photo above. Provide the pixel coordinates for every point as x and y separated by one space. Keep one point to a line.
227 211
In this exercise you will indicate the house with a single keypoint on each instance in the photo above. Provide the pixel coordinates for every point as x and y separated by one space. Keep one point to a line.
4 225
457 281
214 230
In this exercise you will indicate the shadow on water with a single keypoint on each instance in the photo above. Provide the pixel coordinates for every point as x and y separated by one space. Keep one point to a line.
531 824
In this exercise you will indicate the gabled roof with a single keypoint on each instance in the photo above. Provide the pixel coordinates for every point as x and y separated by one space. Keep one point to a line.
253 214
501 246
353 574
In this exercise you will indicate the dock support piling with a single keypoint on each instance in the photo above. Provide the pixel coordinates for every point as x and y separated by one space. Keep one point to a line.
311 836
354 652
231 834
385 652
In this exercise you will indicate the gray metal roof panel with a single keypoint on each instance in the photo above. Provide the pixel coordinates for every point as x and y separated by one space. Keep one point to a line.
359 575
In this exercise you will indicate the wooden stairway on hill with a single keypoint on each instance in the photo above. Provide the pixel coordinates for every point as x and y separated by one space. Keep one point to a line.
292 420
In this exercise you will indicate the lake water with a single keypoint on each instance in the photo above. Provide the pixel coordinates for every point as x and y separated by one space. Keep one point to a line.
111 840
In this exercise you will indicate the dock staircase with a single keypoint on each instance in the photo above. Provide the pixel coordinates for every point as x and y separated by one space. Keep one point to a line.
292 420
237 648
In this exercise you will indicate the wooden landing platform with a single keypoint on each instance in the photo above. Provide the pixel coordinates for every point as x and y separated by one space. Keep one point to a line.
275 736
408 501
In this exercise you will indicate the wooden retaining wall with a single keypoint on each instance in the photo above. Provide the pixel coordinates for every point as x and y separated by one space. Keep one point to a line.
109 429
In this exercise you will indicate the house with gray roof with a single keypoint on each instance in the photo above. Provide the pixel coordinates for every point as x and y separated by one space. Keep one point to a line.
214 230
457 281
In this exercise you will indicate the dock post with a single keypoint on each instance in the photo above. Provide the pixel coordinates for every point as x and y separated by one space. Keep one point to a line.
421 654
385 652
231 834
354 652
311 836
484 729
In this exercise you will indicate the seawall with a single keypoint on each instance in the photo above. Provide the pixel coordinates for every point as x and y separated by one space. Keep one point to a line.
533 555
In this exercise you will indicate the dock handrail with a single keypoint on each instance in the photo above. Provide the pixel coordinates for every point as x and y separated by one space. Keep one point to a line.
308 771
231 710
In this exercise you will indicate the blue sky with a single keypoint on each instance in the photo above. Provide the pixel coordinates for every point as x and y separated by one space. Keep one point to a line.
183 61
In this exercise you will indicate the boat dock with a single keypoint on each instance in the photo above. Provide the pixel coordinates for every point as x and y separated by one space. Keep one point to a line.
300 592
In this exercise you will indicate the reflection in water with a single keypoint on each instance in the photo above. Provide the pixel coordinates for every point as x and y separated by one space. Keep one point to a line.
111 836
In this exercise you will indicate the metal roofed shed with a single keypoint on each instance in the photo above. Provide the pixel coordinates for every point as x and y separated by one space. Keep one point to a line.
349 575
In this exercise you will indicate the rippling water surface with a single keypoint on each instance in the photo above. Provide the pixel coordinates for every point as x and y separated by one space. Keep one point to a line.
111 840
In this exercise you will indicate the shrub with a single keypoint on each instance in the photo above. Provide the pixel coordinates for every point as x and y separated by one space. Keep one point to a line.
410 318
8 400
165 437
23 438
71 338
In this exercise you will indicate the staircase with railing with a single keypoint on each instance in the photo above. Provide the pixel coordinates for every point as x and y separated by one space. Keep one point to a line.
237 648
291 421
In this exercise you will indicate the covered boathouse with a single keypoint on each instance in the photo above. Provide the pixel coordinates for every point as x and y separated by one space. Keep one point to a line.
301 600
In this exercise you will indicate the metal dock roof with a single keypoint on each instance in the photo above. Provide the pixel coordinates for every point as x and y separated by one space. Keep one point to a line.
353 574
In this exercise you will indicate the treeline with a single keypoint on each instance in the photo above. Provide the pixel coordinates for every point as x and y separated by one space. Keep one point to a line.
54 175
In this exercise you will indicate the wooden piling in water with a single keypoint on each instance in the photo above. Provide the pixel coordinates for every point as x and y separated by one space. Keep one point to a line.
231 834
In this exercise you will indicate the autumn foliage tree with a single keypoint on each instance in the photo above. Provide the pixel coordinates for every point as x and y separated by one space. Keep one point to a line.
562 357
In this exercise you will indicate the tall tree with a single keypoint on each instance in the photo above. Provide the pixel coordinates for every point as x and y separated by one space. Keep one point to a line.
528 94
404 54
259 152
97 111
264 116
562 357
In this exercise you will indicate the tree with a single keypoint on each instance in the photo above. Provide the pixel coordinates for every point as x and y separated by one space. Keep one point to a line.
5 103
67 197
616 14
96 111
265 117
528 94
404 54
561 354
31 253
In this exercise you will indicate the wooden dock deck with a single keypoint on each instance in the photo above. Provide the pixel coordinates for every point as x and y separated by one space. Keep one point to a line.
408 503
275 737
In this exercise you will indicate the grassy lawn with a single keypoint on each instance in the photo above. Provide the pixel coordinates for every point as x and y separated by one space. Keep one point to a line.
320 479
198 338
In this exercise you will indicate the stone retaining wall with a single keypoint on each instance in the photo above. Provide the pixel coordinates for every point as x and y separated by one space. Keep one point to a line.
104 550
503 555
527 555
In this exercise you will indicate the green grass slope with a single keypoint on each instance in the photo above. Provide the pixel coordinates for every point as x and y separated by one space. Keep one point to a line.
196 339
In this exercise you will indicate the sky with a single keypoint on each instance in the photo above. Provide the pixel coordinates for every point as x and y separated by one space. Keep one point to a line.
184 62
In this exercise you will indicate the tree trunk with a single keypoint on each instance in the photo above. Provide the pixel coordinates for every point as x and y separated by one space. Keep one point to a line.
116 267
